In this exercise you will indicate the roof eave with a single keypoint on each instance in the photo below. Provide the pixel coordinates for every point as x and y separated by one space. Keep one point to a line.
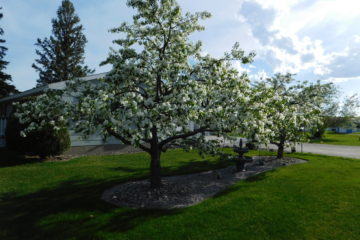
54 86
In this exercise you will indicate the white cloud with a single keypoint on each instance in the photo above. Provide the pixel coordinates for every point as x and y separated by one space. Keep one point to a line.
259 76
357 38
342 79
276 25
279 49
344 65
240 67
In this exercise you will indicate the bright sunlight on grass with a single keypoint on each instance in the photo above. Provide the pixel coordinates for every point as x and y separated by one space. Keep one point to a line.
349 139
61 200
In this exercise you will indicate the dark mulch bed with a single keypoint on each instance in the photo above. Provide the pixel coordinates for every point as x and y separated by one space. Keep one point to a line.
190 189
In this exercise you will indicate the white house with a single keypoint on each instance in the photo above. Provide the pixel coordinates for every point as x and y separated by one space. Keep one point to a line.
6 110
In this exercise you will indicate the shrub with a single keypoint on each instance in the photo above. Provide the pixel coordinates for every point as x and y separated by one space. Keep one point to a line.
45 142
317 133
251 145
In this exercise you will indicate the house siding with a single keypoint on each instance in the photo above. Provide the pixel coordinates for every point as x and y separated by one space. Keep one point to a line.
94 140
5 111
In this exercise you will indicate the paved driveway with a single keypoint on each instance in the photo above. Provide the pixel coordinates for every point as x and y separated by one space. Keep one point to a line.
325 149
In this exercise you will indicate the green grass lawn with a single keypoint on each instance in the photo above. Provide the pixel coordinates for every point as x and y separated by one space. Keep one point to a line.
61 200
339 139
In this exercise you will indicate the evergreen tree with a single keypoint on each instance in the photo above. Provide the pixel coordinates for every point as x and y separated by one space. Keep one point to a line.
61 57
5 87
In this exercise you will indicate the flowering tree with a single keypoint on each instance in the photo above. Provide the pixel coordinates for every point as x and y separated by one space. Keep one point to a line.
39 130
327 94
290 107
349 111
44 112
162 91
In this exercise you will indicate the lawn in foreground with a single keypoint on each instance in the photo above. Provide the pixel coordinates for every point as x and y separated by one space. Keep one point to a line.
61 200
349 139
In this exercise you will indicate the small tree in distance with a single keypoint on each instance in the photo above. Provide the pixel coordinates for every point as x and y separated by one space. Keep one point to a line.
291 107
349 110
61 56
327 94
340 115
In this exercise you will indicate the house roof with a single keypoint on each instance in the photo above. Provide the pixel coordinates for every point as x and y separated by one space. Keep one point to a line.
38 90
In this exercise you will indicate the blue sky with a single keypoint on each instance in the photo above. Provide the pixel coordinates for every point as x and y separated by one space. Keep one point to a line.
316 39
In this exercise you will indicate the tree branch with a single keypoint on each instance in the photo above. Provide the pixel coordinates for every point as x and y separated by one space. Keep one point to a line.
124 140
185 135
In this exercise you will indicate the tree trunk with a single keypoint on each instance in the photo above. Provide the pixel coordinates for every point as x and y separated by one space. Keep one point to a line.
155 168
280 151
280 145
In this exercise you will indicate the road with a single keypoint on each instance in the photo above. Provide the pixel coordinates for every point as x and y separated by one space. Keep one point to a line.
325 149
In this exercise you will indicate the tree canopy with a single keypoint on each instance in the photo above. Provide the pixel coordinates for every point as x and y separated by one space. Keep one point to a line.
291 107
6 88
61 56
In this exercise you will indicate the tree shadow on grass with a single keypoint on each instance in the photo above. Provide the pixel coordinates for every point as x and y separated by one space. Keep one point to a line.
187 167
259 177
71 210
129 169
74 210
183 167
242 187
10 158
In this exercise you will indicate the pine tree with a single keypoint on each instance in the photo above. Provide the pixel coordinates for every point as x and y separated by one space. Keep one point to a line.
61 56
5 87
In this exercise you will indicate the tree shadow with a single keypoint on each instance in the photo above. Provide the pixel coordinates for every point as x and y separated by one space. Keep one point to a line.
194 166
242 187
10 158
182 167
128 169
259 177
72 209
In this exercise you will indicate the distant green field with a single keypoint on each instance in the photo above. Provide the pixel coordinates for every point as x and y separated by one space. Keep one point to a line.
61 201
349 139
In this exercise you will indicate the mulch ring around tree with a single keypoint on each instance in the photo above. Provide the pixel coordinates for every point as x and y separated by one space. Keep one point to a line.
190 189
